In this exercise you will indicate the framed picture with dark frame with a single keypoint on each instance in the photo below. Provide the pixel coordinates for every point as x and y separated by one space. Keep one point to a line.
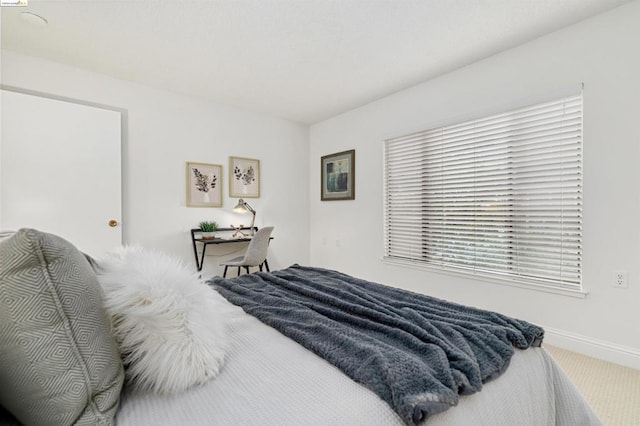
338 176
204 185
244 177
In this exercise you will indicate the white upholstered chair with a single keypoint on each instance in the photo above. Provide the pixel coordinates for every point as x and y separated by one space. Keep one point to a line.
256 254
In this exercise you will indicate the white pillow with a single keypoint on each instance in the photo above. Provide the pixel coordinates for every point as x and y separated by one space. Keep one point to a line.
169 324
6 234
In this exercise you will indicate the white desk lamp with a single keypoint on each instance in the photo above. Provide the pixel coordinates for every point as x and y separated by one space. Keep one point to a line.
243 207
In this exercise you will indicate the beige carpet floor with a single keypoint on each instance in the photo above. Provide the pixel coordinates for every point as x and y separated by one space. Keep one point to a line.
613 391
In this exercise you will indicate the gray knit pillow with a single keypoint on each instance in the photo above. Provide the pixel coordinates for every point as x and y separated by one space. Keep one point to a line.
59 364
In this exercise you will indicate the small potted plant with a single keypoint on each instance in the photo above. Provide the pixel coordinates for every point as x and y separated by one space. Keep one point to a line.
208 229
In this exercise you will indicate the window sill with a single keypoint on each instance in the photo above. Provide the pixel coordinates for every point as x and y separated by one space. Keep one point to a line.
581 294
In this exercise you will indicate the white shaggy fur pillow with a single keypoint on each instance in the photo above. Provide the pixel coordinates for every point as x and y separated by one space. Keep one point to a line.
169 325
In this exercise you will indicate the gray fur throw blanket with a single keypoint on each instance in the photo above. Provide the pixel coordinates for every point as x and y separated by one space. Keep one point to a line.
416 352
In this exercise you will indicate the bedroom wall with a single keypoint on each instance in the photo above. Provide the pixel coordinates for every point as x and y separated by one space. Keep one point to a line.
600 52
163 130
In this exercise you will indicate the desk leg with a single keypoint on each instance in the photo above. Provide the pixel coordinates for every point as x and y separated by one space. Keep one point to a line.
195 253
199 264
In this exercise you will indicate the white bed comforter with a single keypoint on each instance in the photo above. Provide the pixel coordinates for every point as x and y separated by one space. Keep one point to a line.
270 380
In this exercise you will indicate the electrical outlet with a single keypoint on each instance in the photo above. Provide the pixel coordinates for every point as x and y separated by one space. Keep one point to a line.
620 279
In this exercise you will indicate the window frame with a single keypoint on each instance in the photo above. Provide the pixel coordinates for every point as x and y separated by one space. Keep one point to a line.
512 222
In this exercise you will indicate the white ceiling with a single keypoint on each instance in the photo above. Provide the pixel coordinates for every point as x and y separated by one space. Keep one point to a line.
303 60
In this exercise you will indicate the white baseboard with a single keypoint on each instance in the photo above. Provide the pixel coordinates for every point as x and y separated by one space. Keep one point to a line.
623 355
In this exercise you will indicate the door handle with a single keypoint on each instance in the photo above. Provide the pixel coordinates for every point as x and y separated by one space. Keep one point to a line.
113 223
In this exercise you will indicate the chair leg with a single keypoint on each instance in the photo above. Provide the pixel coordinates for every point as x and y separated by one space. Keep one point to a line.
266 265
247 269
224 275
260 266
239 270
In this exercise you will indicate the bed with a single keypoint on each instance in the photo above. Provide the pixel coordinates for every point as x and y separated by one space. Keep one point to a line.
272 380
269 379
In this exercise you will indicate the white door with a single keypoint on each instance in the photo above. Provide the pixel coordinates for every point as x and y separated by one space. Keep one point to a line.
60 170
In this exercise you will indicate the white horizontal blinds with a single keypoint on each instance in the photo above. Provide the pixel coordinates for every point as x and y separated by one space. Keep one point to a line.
497 195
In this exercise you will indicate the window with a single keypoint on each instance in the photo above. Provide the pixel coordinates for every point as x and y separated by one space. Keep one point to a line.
500 196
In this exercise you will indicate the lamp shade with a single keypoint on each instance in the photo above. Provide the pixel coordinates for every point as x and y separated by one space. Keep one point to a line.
240 207
243 207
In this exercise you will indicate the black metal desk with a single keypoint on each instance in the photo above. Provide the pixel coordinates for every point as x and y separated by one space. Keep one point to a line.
196 237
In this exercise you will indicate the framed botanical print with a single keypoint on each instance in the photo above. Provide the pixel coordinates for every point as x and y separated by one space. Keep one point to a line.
244 177
338 176
204 185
